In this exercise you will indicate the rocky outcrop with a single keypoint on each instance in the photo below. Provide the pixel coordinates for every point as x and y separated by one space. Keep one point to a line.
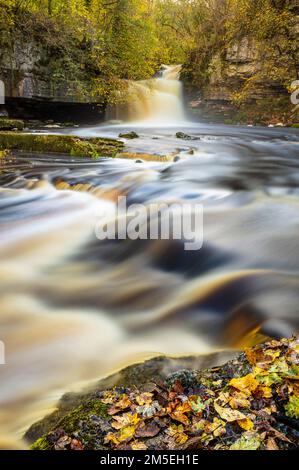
32 93
241 86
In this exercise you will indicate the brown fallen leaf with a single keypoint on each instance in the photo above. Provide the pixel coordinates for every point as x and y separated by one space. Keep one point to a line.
228 414
120 405
246 424
145 398
62 443
271 444
178 387
127 419
76 445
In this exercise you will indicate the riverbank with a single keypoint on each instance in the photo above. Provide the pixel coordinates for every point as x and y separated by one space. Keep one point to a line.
250 403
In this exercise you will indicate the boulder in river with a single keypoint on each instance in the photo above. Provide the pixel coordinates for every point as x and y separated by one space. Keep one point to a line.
183 136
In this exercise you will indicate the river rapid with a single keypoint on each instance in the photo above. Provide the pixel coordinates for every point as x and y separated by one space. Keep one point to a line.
73 308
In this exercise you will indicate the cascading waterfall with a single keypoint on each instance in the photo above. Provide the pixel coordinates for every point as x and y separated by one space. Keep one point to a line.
158 101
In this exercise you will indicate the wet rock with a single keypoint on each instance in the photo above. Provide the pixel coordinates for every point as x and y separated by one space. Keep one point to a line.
183 136
177 158
129 135
138 161
139 375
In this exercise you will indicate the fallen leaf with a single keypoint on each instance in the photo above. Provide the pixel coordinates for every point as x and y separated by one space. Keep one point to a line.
120 405
148 411
178 387
137 445
245 384
111 437
126 434
147 430
145 398
239 400
217 427
177 432
246 424
62 443
76 445
271 444
292 407
247 442
266 392
228 414
127 419
197 405
109 398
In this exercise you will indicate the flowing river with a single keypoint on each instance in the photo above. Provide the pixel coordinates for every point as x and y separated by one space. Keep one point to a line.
73 308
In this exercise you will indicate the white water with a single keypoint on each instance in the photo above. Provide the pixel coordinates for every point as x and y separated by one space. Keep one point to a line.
158 101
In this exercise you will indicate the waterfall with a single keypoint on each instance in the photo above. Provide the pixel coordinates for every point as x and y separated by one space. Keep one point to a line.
157 101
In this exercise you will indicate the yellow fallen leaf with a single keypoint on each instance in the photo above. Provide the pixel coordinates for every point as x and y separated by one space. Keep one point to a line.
246 424
112 437
266 392
239 400
247 384
218 427
223 397
137 445
127 419
177 432
228 414
126 434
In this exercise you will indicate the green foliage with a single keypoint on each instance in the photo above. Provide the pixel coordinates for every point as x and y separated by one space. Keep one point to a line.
91 47
10 124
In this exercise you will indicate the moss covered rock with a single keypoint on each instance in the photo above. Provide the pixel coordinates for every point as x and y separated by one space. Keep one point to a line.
64 144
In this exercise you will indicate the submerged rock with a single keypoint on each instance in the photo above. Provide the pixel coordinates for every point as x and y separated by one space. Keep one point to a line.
250 403
129 135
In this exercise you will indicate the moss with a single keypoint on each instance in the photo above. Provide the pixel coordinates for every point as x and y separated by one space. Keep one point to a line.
10 124
72 420
41 444
296 126
72 145
71 423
